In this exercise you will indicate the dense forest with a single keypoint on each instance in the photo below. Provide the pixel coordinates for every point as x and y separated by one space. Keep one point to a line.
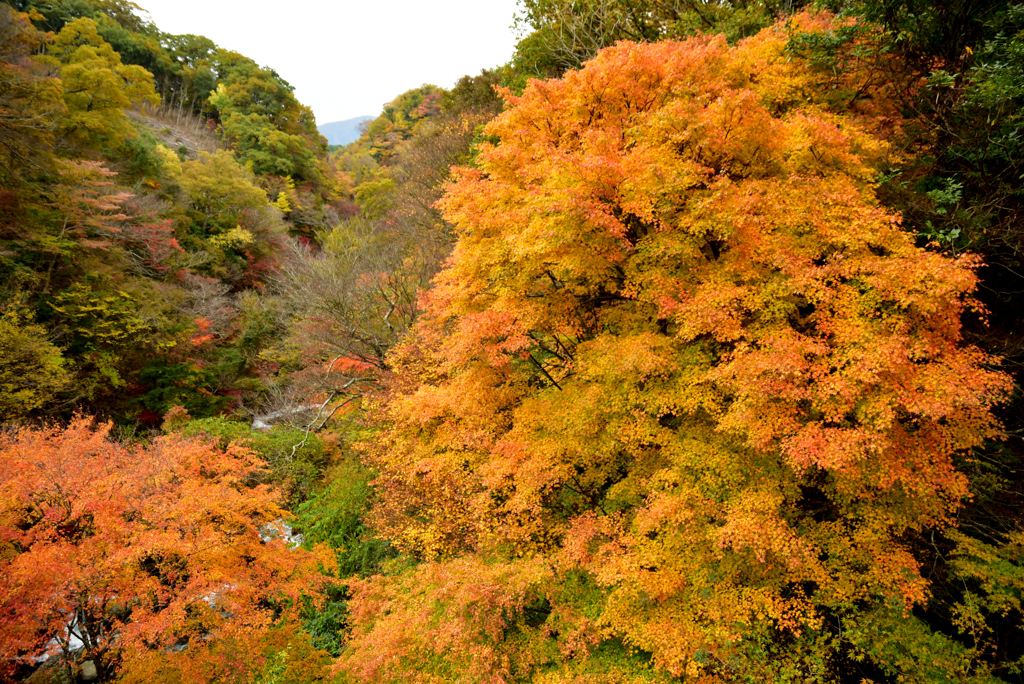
683 347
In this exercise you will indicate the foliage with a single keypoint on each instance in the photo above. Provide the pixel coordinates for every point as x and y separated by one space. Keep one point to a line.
294 465
55 15
185 384
282 654
266 149
104 334
30 97
139 157
474 94
688 401
357 296
989 611
563 34
218 188
32 369
272 132
249 89
93 201
229 217
97 215
955 70
400 118
954 73
352 300
335 517
97 86
680 351
134 550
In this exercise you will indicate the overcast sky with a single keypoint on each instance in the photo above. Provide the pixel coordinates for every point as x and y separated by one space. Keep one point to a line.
347 58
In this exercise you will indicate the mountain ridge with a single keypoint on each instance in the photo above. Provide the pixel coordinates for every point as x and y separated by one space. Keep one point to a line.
343 132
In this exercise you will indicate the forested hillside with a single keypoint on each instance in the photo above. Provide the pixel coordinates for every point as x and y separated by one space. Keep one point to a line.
683 347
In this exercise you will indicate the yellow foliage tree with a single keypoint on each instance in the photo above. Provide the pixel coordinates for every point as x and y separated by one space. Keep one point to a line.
681 360
97 86
32 369
30 95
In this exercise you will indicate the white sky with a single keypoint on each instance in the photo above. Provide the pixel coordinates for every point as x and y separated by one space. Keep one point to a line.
348 57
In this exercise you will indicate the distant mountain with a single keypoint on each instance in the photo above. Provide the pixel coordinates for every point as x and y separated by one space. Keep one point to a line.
342 132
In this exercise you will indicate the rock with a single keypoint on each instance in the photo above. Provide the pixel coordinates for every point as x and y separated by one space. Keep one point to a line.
279 529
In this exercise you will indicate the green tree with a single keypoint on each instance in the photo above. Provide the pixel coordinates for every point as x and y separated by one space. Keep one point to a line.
400 118
272 131
266 149
248 88
194 76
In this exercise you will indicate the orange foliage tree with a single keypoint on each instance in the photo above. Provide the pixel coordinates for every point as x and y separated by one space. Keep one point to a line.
125 555
683 360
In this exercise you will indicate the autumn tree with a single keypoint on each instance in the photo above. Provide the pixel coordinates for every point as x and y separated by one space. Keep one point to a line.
217 187
30 94
356 297
230 226
123 554
957 71
400 118
563 34
353 295
97 85
32 369
685 381
93 212
93 230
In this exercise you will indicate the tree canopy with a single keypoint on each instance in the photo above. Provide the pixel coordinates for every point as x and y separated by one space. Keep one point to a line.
682 359
129 551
